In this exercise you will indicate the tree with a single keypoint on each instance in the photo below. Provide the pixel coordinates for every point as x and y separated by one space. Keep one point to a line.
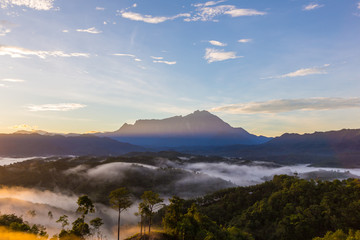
151 203
85 206
64 221
96 223
173 215
120 201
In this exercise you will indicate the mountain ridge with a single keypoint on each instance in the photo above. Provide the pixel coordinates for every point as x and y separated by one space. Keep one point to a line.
199 128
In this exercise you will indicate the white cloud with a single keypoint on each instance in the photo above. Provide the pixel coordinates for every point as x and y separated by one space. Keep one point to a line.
150 19
18 52
312 6
157 58
217 43
287 105
65 31
215 55
305 72
166 62
13 80
206 13
127 55
62 107
34 4
210 3
124 55
358 5
244 40
2 85
92 30
100 8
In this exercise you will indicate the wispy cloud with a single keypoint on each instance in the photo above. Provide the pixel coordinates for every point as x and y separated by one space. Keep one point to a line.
99 8
34 4
206 13
157 58
216 55
210 3
358 5
24 127
150 19
287 105
61 107
18 52
217 43
166 62
304 72
92 30
312 6
127 55
2 85
244 40
13 80
5 27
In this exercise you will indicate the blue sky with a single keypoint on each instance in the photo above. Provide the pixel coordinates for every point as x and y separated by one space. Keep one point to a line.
267 66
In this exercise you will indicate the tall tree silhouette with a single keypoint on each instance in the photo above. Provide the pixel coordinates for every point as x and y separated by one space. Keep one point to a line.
120 200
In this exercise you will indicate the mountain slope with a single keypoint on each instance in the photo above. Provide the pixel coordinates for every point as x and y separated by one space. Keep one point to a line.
333 148
200 128
23 145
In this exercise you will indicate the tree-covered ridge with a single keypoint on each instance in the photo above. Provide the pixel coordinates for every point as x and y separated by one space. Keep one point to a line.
287 208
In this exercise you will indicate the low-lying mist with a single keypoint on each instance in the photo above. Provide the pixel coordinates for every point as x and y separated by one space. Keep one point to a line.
44 185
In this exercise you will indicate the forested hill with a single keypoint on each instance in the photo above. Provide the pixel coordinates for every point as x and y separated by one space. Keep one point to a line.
29 145
282 209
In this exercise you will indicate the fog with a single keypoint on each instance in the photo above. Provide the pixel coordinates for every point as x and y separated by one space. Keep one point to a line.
21 200
7 161
181 177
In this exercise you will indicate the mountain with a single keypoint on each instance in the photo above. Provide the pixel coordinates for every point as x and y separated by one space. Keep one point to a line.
333 148
200 128
25 145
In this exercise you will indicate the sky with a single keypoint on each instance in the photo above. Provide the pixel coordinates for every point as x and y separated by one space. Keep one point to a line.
91 65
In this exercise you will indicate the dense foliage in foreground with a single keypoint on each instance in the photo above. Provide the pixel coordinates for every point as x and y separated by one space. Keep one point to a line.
281 209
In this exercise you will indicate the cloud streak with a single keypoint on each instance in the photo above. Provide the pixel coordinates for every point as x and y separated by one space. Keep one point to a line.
150 19
61 107
33 4
244 40
304 72
91 30
215 55
312 6
18 52
165 62
207 12
288 105
217 43
127 55
12 80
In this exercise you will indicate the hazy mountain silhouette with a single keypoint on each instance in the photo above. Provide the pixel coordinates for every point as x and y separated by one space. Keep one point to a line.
333 148
24 145
200 128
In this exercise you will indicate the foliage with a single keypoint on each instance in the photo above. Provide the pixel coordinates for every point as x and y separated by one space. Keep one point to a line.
286 208
17 224
120 201
340 235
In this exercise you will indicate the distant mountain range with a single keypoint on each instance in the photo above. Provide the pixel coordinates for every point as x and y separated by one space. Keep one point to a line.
333 148
199 133
200 128
28 145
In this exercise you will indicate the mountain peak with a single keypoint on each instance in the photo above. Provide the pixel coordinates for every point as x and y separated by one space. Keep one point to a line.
197 128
